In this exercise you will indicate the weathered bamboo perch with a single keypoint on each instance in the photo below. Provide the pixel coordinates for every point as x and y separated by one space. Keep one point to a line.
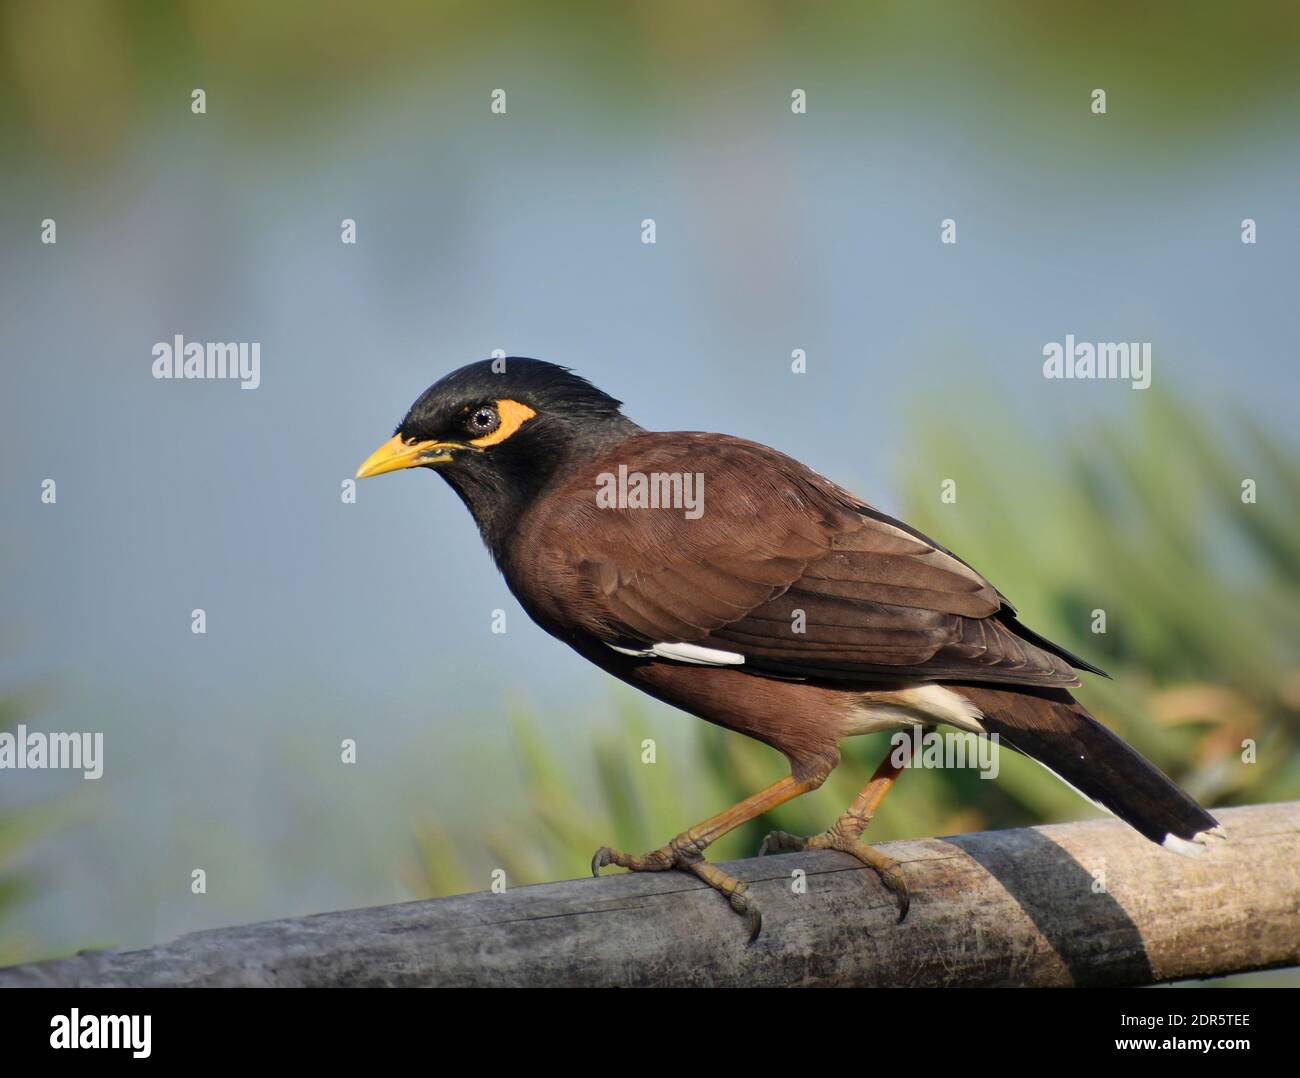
1022 907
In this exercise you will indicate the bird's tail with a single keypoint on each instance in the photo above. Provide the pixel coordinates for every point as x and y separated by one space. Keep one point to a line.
1050 726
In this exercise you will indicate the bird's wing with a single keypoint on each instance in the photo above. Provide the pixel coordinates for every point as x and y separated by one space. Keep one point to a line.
781 572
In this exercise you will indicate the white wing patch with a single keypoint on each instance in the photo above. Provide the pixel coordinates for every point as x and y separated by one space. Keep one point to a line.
685 653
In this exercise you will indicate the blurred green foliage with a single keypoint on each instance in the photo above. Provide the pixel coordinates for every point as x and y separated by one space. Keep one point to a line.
1141 517
76 79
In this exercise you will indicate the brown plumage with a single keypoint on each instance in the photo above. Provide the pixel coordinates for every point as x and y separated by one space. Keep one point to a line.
784 607
775 537
882 605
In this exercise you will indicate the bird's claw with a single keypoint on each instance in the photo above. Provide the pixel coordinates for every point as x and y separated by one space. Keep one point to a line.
745 905
895 881
886 869
686 857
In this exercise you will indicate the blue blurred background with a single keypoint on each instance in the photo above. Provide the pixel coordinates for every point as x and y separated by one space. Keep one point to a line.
522 232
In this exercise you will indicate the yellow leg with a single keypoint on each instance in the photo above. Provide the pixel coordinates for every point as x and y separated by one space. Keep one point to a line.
686 851
845 834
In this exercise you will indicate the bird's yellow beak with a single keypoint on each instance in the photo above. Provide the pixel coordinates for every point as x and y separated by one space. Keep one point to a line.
395 454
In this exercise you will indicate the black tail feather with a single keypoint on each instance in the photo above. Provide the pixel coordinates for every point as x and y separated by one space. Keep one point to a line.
1053 728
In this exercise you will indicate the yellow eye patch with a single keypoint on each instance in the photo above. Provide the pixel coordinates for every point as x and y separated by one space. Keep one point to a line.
513 416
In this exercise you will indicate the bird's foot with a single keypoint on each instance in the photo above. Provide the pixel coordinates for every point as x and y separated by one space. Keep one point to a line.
844 835
682 854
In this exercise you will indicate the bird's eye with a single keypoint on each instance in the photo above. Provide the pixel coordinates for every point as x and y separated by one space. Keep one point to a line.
483 420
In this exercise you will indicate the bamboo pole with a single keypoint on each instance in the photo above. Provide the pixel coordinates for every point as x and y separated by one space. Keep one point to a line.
1071 904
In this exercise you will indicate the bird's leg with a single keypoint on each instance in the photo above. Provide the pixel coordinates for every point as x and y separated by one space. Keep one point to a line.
845 834
686 851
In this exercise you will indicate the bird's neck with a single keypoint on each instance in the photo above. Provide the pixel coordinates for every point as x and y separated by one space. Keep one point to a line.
499 497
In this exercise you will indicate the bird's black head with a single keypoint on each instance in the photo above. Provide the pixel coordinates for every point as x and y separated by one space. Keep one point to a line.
499 431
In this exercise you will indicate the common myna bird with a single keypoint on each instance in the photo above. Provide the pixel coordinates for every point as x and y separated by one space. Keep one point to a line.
726 579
